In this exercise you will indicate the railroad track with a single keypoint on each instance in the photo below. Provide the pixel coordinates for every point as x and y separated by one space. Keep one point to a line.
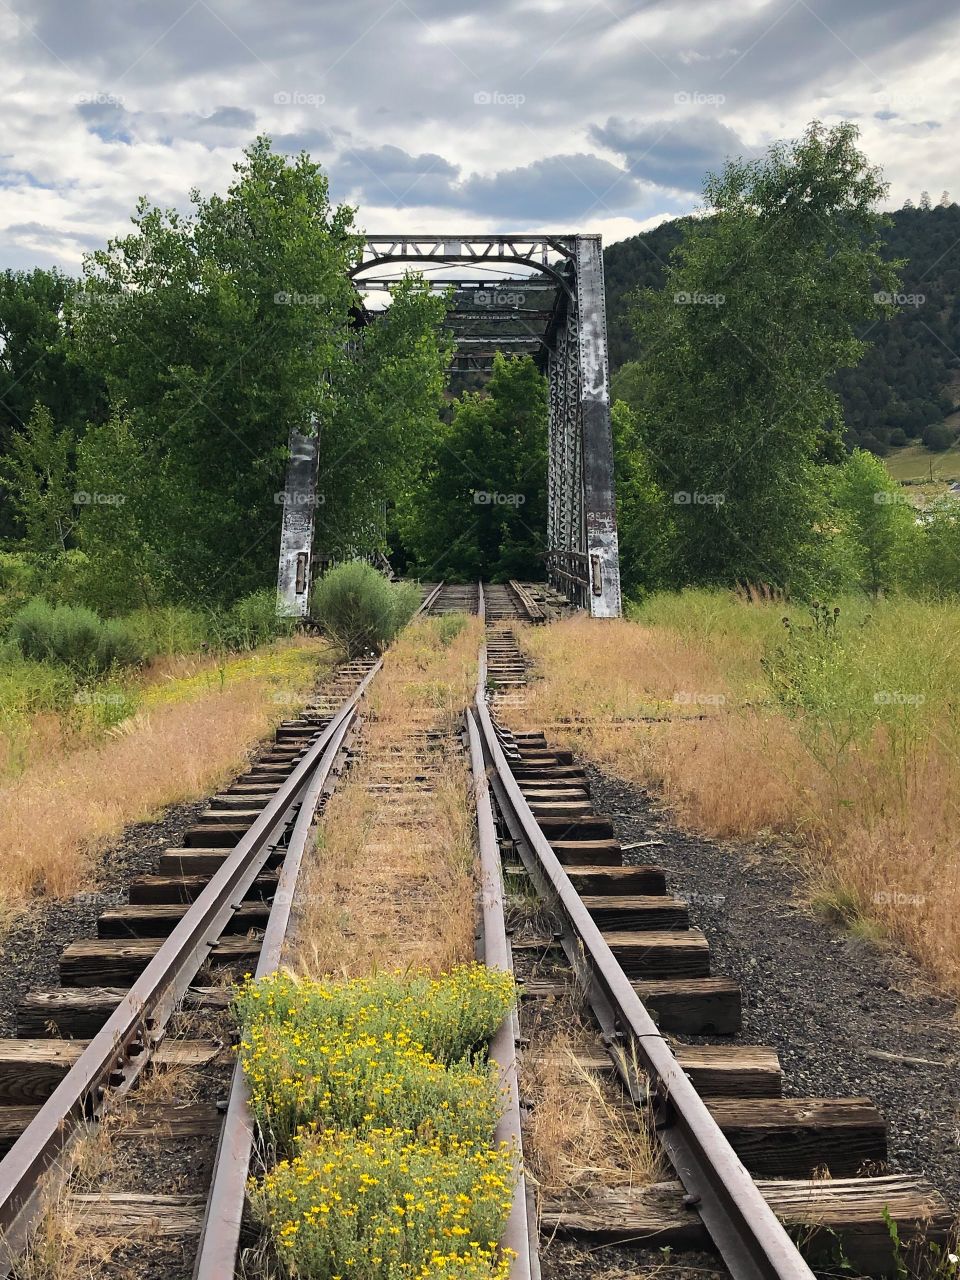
153 989
508 601
746 1159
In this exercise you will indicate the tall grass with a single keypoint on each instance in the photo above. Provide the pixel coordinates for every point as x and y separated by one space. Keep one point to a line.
68 676
841 735
66 804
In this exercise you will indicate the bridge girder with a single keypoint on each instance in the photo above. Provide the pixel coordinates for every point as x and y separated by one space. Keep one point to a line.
545 297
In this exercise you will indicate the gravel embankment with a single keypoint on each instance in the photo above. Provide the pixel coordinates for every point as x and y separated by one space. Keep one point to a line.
847 1018
30 951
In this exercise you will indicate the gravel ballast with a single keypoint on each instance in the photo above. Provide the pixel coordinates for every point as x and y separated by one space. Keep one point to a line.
848 1018
30 951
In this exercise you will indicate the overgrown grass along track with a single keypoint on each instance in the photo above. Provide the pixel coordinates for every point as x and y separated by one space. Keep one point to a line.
599 934
82 1046
152 987
605 937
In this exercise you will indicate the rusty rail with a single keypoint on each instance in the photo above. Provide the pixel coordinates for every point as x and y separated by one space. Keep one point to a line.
746 1232
520 1233
220 1231
120 1050
528 604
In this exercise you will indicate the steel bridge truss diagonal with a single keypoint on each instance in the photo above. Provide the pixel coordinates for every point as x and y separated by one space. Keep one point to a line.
540 295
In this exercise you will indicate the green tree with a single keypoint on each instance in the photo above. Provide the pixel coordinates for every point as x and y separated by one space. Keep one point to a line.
121 569
876 519
644 532
388 392
39 363
38 475
934 567
938 437
733 387
219 331
480 507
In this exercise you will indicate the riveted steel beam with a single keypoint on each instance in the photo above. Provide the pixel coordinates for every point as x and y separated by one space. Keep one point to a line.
554 308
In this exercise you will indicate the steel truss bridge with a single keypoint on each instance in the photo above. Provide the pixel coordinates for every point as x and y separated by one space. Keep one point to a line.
540 295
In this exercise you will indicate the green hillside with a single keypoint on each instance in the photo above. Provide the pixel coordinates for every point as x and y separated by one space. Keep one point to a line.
907 386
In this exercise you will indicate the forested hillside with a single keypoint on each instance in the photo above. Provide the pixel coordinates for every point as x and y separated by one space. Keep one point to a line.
904 387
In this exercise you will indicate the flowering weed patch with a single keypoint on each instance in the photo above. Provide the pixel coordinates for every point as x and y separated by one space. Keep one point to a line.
343 1082
389 1205
451 1016
378 1093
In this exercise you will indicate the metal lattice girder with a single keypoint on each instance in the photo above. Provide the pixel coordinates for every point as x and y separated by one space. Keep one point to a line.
498 340
552 306
538 288
534 251
491 315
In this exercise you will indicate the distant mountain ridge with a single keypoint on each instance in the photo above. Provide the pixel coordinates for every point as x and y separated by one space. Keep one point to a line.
907 385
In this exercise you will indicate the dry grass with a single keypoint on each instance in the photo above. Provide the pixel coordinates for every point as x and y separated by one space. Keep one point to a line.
61 1248
687 710
576 1132
63 810
59 717
390 884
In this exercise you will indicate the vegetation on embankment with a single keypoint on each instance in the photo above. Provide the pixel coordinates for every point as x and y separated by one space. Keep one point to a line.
68 676
834 725
70 785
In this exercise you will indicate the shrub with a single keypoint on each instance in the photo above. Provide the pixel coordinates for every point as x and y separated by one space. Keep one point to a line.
69 578
119 645
27 686
18 582
17 575
387 1051
58 633
170 629
388 1204
878 525
74 636
360 609
253 620
377 1090
451 1016
449 626
301 1077
938 437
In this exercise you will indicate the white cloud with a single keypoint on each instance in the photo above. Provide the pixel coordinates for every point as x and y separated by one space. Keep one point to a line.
576 102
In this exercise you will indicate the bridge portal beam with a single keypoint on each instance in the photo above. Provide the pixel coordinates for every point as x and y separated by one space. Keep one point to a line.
296 535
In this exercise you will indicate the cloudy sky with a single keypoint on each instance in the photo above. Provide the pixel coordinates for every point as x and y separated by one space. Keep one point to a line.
452 115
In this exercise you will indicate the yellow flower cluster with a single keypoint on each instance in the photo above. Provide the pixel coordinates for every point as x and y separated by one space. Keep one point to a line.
388 1204
339 1078
478 1264
451 1015
378 1091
